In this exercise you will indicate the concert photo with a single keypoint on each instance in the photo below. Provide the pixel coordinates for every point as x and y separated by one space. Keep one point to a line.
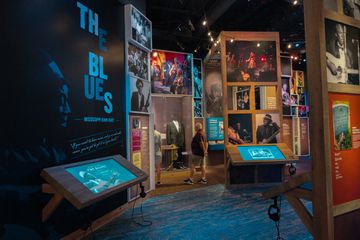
141 29
137 62
171 72
240 129
342 53
140 95
197 108
248 61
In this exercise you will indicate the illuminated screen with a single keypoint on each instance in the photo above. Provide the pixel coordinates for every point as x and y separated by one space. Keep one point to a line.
249 153
102 175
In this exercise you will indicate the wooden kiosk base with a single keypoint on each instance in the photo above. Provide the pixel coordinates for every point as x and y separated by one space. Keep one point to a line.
242 171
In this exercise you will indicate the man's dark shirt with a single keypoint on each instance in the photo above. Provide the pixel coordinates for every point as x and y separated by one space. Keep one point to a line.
196 144
266 131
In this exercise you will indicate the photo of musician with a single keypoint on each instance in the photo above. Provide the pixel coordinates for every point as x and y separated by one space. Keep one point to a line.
251 61
285 93
137 62
342 47
140 95
140 28
268 129
197 108
171 73
240 129
243 98
352 8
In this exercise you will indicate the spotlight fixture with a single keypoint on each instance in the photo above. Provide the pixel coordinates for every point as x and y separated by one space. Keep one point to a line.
209 33
297 45
215 44
289 45
212 39
295 2
292 57
195 50
296 58
258 44
155 54
204 23
231 40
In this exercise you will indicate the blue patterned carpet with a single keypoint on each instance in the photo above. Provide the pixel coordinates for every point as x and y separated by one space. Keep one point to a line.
207 213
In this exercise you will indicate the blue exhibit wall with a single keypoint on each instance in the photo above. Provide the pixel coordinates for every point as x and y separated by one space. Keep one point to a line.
62 101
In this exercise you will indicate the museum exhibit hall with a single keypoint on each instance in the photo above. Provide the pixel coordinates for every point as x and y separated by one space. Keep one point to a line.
180 119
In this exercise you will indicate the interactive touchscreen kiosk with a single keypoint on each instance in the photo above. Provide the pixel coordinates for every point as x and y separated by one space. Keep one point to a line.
260 153
87 182
254 163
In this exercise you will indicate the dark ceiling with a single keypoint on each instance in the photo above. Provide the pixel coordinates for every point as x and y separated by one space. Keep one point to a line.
177 24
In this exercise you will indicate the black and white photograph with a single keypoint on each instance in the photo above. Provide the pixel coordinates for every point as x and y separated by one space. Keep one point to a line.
141 29
137 62
140 95
197 108
285 93
342 52
352 8
285 66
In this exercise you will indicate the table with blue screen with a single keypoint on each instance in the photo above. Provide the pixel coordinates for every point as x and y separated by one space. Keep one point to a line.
257 163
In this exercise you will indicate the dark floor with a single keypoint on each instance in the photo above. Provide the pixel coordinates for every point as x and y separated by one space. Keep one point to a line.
212 212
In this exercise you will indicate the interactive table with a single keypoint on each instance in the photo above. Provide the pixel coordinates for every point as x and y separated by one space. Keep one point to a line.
87 182
250 163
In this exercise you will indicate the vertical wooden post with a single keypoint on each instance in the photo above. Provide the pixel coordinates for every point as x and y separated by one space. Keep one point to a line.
319 119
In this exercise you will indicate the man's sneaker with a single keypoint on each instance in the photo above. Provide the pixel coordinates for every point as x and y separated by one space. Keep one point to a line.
202 181
188 181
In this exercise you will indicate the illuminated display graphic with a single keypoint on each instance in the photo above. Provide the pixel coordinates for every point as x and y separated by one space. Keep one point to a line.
102 175
249 153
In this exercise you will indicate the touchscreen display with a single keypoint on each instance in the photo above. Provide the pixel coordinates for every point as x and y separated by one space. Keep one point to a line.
102 175
249 153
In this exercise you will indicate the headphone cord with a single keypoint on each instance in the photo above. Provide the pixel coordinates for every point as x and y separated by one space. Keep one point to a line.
143 223
277 224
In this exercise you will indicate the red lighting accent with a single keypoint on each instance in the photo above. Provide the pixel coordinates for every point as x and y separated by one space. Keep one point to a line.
262 58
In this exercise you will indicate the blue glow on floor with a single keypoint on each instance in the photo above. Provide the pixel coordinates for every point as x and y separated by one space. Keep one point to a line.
207 213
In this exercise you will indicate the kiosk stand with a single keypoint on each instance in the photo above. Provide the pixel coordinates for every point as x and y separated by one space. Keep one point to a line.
88 182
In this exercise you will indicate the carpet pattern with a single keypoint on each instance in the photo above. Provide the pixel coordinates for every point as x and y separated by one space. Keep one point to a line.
208 213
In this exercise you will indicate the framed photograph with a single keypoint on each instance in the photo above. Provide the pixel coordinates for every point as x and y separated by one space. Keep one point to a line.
141 28
198 108
265 98
351 8
198 82
137 62
267 128
303 99
140 95
240 128
294 100
285 94
248 61
342 53
299 79
294 111
171 72
302 111
213 90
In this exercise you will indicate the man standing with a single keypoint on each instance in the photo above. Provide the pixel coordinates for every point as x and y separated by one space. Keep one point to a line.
137 98
267 132
199 148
